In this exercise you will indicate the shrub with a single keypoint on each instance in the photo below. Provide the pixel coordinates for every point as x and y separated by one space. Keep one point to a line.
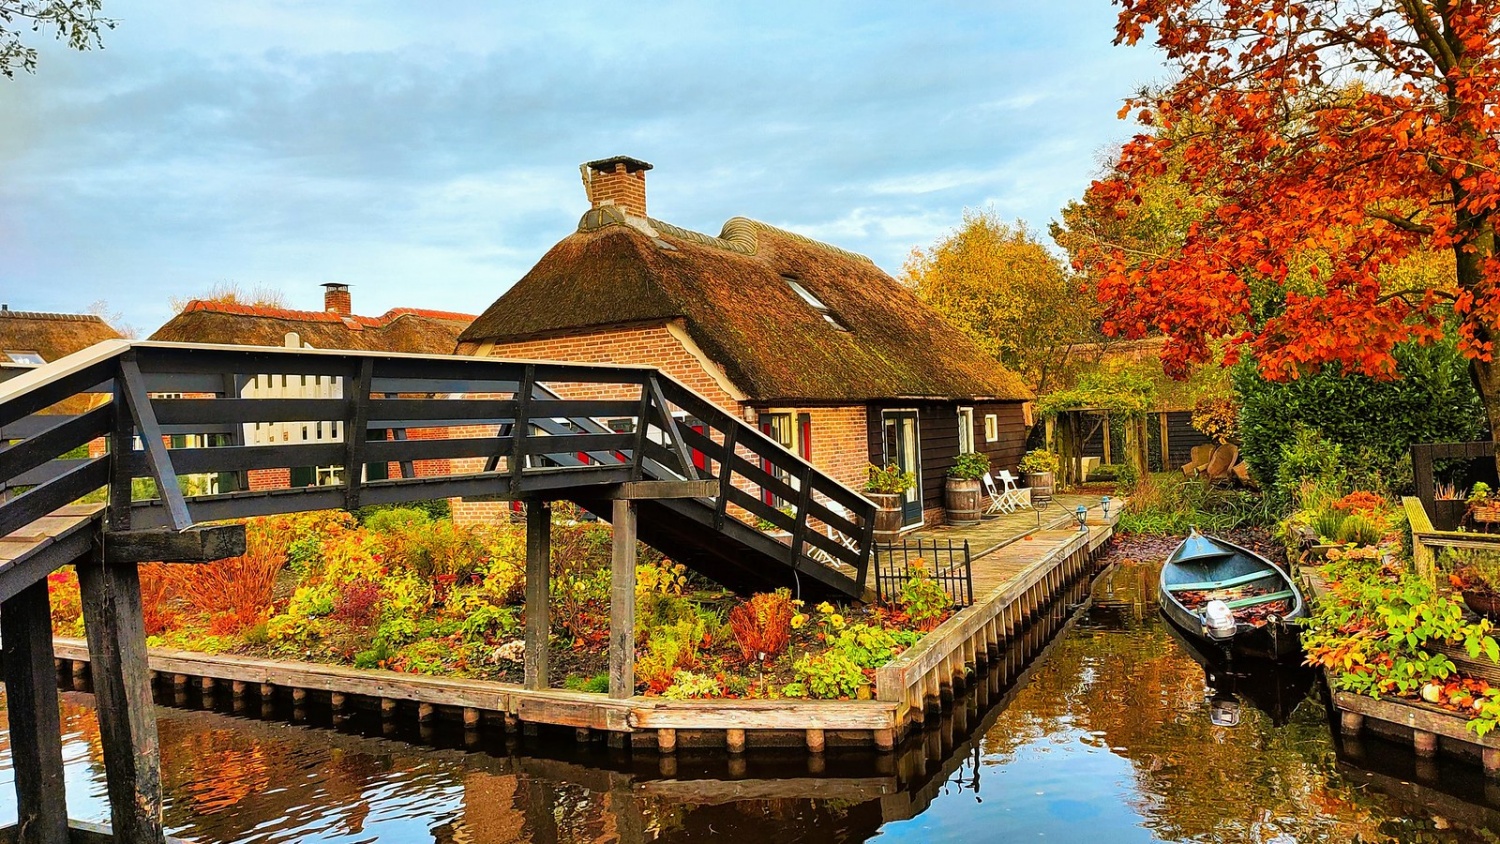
1360 530
668 650
970 466
597 684
1375 421
1040 460
830 675
890 479
1309 464
686 685
923 599
1217 417
357 603
763 625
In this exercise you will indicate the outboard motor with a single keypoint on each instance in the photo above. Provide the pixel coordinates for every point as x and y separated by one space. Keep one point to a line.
1218 621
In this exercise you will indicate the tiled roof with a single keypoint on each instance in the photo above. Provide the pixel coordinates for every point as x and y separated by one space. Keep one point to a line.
415 330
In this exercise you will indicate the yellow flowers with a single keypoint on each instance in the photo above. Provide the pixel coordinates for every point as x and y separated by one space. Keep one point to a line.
798 620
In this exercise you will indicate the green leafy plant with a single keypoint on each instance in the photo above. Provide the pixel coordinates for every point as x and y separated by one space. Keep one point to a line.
970 466
687 685
890 479
923 599
1040 460
1478 494
1359 529
830 675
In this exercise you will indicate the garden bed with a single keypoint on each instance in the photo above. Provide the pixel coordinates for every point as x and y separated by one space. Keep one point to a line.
411 592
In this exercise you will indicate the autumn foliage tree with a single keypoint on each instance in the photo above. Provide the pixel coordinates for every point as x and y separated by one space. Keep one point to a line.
1342 141
1004 289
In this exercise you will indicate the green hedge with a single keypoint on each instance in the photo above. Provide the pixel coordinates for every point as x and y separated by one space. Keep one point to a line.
1374 421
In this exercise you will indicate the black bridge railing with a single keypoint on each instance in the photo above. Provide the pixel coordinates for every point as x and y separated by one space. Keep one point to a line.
411 427
944 561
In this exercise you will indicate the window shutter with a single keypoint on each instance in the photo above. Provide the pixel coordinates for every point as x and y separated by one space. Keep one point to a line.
804 434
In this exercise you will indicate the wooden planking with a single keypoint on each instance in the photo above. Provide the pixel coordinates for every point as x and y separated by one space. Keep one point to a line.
195 545
46 544
1417 716
551 706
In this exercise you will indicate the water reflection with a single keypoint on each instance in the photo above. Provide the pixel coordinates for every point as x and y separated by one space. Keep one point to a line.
1099 732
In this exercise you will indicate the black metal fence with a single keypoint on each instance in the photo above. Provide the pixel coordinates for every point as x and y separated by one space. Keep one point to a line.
946 562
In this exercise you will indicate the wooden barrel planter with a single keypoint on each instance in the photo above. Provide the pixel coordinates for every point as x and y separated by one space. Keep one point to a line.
1041 486
961 498
888 517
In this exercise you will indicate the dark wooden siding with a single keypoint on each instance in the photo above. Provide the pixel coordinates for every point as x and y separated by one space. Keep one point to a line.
937 436
1182 437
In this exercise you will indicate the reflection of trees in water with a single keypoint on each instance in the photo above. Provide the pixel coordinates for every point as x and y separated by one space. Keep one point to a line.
1136 693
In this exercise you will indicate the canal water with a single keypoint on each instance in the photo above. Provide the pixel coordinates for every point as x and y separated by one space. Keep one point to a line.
1096 726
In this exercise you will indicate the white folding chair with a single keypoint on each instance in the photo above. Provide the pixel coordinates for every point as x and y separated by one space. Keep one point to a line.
1013 496
997 501
836 535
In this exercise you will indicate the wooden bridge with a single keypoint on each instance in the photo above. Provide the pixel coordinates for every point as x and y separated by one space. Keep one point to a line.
659 461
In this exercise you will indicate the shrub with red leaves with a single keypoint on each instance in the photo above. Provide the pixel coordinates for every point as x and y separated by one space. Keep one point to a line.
763 625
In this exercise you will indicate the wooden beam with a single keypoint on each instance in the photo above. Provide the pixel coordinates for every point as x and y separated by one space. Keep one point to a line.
35 728
201 544
622 601
538 575
726 475
635 490
122 692
356 430
669 424
521 429
139 402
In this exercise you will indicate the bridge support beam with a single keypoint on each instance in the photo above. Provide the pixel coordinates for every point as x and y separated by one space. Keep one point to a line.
538 598
622 601
35 729
122 692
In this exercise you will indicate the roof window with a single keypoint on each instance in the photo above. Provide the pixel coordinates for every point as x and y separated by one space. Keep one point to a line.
814 302
27 358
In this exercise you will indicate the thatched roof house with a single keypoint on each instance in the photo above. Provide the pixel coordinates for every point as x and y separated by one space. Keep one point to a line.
30 338
824 350
789 319
411 330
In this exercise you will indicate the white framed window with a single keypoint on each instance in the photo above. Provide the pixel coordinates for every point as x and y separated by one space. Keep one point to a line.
965 430
991 428
27 358
814 302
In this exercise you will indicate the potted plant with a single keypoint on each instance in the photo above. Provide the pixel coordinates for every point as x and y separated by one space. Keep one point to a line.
1476 575
769 527
1484 506
962 494
886 486
1040 466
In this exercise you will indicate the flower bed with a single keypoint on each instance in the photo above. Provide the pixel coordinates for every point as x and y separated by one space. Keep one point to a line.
405 590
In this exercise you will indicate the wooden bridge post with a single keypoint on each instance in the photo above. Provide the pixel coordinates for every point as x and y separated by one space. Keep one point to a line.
35 729
538 575
622 601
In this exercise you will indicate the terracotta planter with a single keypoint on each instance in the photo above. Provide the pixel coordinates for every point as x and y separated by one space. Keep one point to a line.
888 517
1041 486
1484 603
961 498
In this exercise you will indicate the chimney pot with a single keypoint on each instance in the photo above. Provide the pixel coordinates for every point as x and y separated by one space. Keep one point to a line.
336 298
618 181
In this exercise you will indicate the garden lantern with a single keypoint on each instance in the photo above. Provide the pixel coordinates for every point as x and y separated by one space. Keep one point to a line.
1104 506
1083 517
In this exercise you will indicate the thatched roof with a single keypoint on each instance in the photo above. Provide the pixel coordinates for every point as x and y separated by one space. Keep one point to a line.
732 293
52 336
397 330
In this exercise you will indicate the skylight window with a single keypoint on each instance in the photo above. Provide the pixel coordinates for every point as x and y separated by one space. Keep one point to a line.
815 303
27 358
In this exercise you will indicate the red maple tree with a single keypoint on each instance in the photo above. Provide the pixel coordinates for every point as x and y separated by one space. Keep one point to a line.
1339 139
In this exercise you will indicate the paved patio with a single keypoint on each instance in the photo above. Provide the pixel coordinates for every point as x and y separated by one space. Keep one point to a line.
990 534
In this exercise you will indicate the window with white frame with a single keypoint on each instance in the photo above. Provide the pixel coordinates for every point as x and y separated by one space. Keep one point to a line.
965 430
991 428
27 358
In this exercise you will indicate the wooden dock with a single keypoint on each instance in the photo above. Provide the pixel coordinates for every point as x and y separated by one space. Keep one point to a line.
1431 730
1021 579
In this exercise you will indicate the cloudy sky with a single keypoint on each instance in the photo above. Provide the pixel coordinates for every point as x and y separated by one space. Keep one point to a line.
427 153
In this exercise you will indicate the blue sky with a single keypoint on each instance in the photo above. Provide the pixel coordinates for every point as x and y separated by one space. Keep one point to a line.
427 153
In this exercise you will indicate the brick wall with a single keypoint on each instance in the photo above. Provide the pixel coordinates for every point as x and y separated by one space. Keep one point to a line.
619 187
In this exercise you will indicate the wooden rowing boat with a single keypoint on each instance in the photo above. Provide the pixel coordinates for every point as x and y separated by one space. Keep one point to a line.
1231 598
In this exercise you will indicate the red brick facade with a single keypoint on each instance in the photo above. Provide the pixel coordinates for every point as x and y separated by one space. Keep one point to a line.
618 183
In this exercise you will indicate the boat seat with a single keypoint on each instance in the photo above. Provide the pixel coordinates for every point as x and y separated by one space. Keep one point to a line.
1209 585
1241 603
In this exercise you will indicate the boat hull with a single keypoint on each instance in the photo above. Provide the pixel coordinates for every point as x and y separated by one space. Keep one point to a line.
1202 558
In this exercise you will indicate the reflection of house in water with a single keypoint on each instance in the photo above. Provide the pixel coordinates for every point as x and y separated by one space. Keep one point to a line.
336 327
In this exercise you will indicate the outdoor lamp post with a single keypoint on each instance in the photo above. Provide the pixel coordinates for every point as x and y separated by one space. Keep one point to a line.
1083 517
1104 506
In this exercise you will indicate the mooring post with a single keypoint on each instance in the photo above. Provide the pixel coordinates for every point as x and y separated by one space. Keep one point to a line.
622 602
538 620
35 728
116 633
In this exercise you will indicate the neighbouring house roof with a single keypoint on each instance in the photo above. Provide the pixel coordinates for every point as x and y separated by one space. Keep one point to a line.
732 293
413 330
50 336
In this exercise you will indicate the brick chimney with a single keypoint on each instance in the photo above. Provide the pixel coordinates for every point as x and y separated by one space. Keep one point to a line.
336 298
619 181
